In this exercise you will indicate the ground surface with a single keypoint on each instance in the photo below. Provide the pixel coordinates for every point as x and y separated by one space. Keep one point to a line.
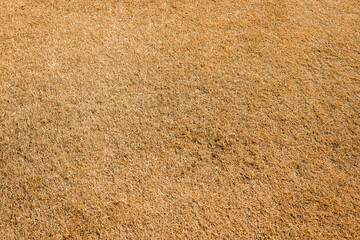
180 119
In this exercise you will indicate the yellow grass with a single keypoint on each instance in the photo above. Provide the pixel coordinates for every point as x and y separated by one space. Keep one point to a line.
179 119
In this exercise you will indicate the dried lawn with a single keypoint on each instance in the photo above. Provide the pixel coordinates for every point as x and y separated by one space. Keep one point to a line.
179 119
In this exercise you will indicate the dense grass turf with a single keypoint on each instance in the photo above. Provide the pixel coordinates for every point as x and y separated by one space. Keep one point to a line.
179 119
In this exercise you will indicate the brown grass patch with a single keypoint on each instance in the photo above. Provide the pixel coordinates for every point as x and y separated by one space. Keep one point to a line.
179 119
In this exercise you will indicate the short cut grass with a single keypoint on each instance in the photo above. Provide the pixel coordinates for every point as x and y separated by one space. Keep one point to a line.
183 119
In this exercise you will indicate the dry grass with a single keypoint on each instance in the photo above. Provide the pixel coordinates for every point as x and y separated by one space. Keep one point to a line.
179 119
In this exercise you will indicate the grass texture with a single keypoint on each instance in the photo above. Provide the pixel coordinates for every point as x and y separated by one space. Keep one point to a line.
180 119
